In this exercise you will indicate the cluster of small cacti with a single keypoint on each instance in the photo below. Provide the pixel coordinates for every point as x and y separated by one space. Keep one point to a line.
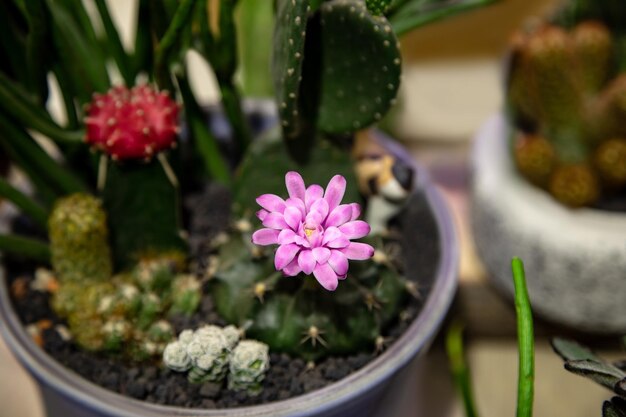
581 361
126 312
210 353
568 104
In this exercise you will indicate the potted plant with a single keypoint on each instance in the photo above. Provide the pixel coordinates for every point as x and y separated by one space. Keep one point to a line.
549 177
148 223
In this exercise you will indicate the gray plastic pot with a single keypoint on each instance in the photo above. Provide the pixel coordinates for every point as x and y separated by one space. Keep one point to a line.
370 390
575 259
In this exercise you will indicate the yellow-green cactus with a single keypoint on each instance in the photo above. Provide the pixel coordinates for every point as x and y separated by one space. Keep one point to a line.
78 240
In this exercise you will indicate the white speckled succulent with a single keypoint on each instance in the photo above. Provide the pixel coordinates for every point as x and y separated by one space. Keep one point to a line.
248 363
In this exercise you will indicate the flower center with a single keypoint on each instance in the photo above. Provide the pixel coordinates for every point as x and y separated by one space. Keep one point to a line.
308 230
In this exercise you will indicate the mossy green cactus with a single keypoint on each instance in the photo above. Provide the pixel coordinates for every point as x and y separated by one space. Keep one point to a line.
79 240
564 100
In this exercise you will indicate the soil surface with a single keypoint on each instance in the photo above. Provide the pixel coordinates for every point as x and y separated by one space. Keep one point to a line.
287 377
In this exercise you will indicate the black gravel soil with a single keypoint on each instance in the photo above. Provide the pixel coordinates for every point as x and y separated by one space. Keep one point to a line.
287 377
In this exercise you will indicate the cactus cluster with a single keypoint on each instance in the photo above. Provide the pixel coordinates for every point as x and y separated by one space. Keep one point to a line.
568 105
581 361
210 353
125 312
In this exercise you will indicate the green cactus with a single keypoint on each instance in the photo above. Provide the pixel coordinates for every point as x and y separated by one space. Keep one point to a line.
79 240
296 316
377 7
562 97
358 85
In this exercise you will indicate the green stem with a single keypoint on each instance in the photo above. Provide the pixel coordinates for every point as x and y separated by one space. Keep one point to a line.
68 96
231 102
525 338
28 114
115 44
25 203
458 366
26 247
169 44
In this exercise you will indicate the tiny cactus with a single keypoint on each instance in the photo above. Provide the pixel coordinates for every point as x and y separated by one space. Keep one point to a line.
569 110
131 124
209 352
377 7
248 363
79 240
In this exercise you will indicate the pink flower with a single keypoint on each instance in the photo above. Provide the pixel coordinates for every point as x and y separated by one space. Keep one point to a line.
313 230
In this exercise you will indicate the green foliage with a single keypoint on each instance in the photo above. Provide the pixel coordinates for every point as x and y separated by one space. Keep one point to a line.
582 361
377 7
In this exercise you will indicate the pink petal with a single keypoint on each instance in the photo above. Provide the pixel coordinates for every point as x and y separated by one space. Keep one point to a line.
312 194
331 234
286 236
321 255
295 185
285 254
339 262
271 202
356 210
338 243
326 276
275 221
265 237
355 229
293 217
318 212
339 215
334 191
296 203
306 260
261 214
358 251
292 269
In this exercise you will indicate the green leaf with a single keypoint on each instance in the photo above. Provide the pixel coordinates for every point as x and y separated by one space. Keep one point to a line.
25 247
614 408
602 373
169 46
114 44
572 351
24 203
413 14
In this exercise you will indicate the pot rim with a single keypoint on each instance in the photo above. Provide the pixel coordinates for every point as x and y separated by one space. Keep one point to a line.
417 336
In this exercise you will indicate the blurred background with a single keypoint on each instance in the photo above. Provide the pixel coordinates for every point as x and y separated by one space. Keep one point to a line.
451 86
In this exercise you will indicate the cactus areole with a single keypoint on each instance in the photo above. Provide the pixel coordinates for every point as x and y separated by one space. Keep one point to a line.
313 230
132 124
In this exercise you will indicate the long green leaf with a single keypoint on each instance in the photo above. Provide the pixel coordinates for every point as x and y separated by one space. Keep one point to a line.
25 247
38 47
38 159
413 14
13 43
114 44
205 142
143 52
170 44
525 340
23 202
29 114
458 366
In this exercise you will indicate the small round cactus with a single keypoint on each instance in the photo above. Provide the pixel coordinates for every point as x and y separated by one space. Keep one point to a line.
535 158
131 124
175 356
248 363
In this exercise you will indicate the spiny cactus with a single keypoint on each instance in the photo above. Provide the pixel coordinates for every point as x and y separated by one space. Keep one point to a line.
377 7
210 352
581 361
135 123
358 85
79 240
563 100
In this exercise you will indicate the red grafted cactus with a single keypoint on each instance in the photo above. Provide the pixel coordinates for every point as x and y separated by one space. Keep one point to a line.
130 124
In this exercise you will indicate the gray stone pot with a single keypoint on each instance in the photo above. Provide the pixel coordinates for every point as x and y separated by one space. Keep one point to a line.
575 259
374 390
